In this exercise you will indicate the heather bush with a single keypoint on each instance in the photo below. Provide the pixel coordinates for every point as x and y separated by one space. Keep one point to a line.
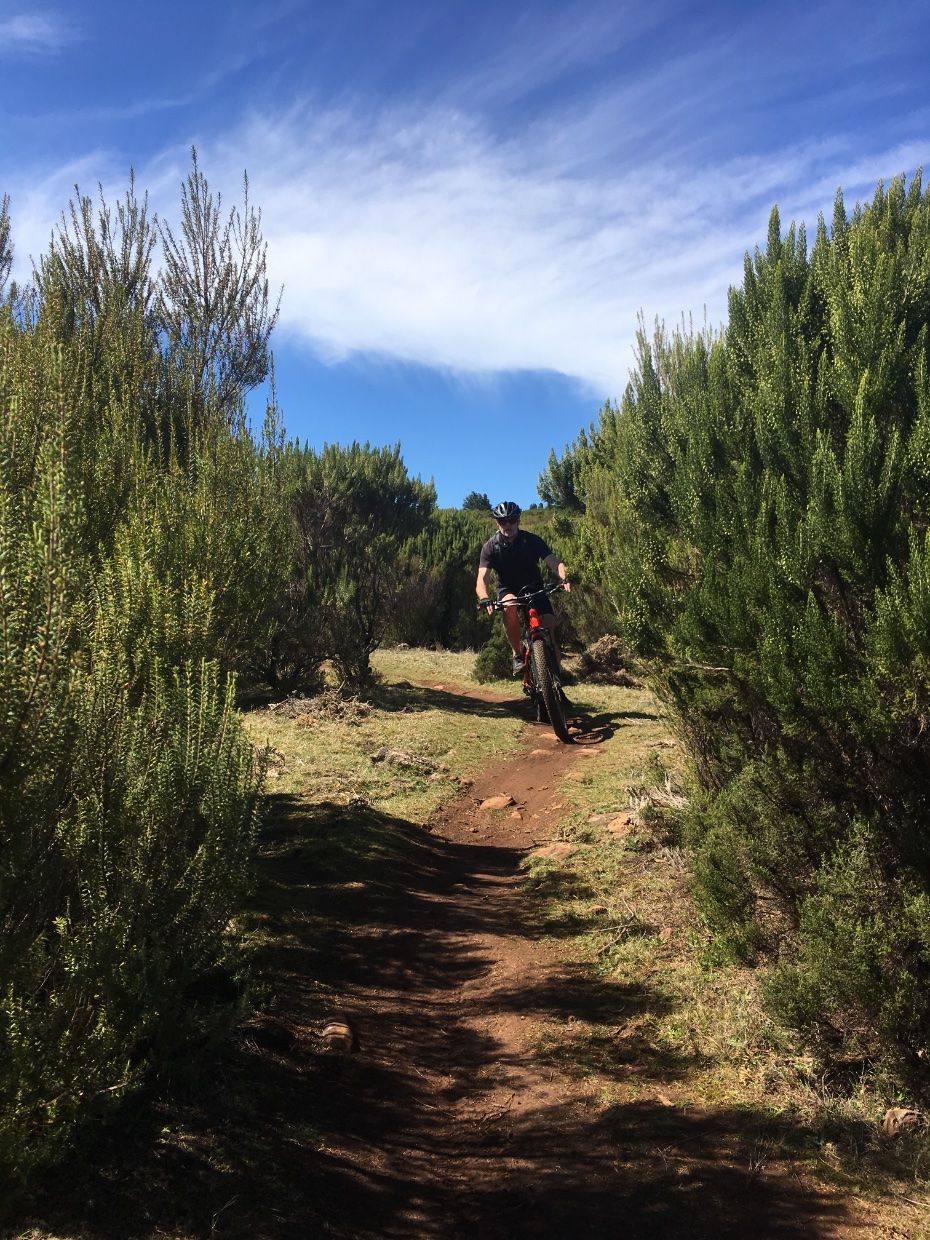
128 794
757 513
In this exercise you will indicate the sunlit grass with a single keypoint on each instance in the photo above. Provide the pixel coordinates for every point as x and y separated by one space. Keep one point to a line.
330 760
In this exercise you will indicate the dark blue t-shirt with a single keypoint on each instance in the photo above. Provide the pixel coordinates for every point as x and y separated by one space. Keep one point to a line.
516 563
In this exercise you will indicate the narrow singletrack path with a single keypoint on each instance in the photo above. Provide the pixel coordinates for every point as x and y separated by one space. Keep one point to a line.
451 1121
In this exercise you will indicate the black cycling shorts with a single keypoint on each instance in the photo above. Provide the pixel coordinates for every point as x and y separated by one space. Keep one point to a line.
541 601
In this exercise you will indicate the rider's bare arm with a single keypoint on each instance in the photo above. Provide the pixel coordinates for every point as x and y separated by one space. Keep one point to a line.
481 585
556 566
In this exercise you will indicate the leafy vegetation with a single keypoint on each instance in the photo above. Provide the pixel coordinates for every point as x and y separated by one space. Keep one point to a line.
154 555
128 794
757 513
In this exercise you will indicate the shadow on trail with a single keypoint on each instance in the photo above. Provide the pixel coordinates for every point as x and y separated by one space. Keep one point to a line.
404 696
594 728
366 916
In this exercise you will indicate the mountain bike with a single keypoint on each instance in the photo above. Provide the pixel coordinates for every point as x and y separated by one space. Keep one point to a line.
541 681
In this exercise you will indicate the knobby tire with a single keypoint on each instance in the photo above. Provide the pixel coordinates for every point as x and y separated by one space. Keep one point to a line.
551 697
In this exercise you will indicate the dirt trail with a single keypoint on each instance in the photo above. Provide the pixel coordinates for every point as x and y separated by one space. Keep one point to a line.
463 1111
451 1121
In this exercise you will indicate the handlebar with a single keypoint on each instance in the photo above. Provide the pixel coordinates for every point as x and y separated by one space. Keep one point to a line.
523 599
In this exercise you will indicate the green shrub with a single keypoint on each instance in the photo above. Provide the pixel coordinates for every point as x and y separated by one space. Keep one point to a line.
354 508
128 794
495 657
435 603
757 512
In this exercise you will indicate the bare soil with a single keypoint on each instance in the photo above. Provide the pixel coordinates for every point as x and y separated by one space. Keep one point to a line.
452 1116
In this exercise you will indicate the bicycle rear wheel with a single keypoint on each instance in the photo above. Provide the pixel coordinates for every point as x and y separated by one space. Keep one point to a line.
549 691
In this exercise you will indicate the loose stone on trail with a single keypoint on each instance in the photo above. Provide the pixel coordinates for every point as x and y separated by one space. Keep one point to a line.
339 1036
501 801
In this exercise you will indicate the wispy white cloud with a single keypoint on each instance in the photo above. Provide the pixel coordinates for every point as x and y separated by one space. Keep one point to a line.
34 34
426 240
429 233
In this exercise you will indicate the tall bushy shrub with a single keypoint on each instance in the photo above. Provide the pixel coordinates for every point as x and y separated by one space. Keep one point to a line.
128 793
354 508
759 512
435 604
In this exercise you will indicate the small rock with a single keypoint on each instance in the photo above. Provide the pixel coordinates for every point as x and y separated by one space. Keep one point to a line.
338 1035
539 753
898 1118
556 852
622 824
516 814
501 801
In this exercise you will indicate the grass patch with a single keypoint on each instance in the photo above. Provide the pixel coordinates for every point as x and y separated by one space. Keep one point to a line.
323 760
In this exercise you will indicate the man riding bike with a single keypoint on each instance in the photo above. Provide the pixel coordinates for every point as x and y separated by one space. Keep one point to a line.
514 555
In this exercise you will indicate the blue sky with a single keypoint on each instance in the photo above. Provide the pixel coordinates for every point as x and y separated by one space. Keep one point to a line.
469 204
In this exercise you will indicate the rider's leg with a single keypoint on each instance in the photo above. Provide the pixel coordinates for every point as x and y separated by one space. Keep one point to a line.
512 625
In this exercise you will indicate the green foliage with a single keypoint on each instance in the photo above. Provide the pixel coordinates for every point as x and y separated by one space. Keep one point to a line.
214 301
477 501
128 795
558 484
495 657
757 514
355 507
6 246
435 604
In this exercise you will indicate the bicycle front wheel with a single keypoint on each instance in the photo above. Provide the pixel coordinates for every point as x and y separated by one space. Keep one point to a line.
549 691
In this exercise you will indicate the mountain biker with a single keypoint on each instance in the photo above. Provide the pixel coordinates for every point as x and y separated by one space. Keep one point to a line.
514 555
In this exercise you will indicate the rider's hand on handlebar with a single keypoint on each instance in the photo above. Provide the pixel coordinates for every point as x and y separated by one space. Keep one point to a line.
487 604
